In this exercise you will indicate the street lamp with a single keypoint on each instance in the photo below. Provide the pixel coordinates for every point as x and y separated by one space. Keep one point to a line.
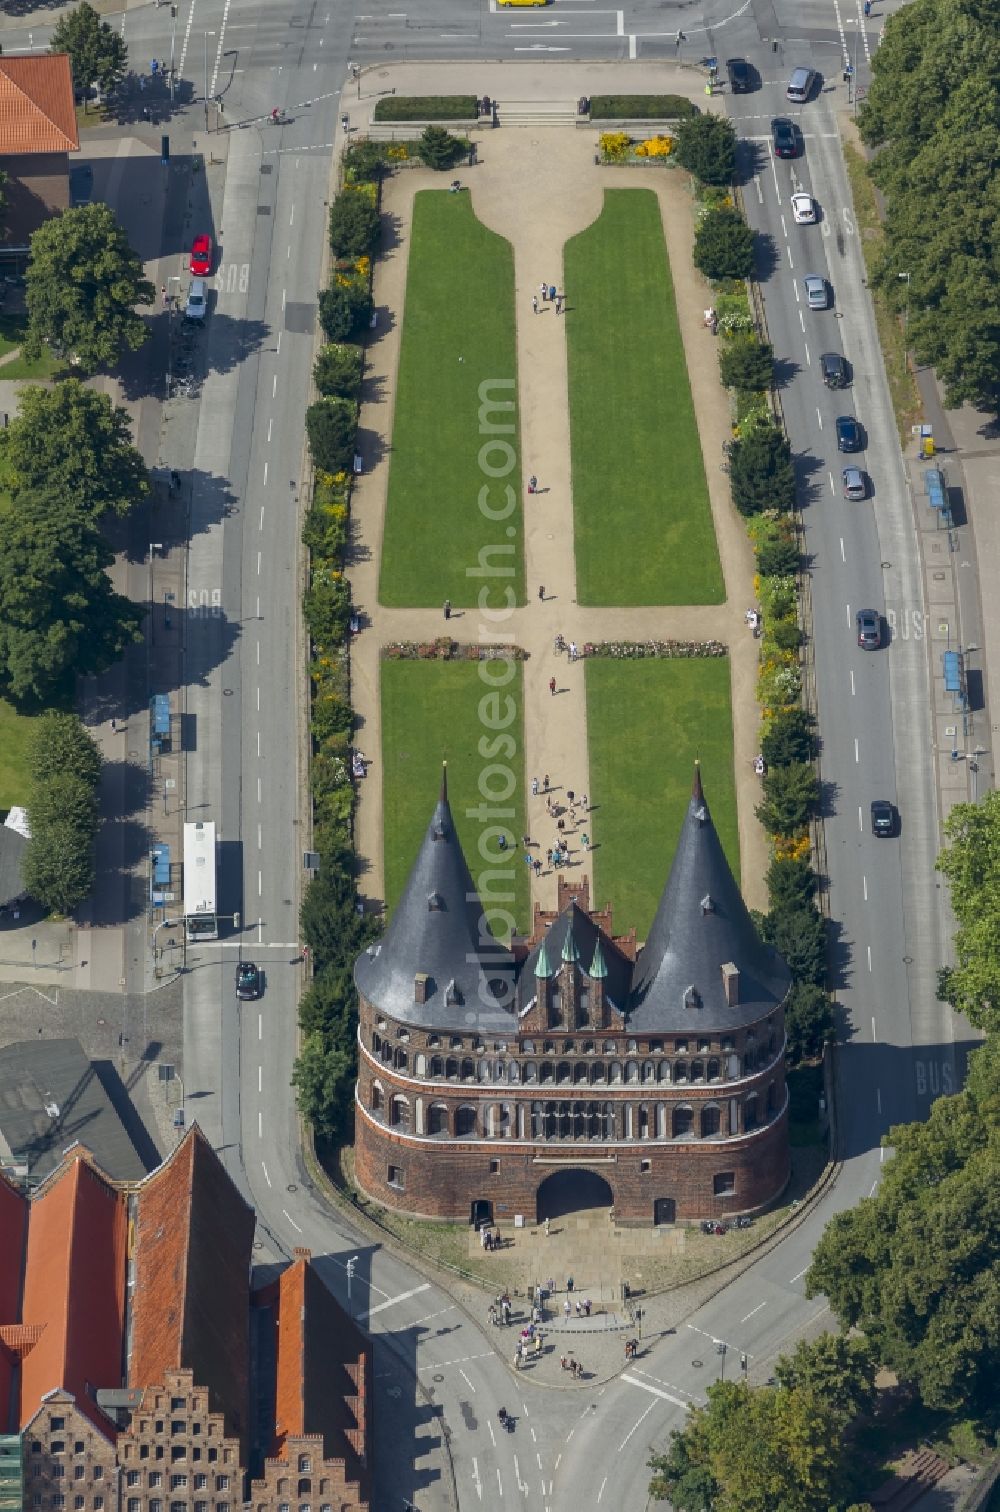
720 1348
905 278
206 77
351 1264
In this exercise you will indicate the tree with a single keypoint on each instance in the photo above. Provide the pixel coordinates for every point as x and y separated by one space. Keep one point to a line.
437 148
98 53
338 371
58 867
723 244
808 1022
706 147
790 737
791 794
355 224
746 363
761 475
75 441
791 883
60 618
839 1370
60 744
332 428
971 863
916 1267
323 1078
799 936
345 310
778 556
83 284
364 160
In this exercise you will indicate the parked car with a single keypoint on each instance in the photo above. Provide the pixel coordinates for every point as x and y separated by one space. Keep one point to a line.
869 623
817 295
197 300
248 981
784 137
201 256
801 85
836 373
855 484
883 818
803 209
850 436
740 75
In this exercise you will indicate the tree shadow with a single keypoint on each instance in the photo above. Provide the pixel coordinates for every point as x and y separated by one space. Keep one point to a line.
225 343
121 892
784 371
751 157
207 634
806 468
765 255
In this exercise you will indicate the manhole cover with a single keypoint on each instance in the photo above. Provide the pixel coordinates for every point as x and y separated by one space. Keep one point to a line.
438 1378
697 1364
227 692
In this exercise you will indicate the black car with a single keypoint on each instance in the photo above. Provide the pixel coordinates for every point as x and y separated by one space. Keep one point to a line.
869 629
740 76
850 436
248 981
834 369
883 818
784 137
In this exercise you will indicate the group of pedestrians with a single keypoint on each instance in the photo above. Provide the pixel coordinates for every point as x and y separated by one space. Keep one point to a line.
568 816
549 295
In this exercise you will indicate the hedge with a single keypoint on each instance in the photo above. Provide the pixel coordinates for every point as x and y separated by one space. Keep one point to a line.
427 108
639 108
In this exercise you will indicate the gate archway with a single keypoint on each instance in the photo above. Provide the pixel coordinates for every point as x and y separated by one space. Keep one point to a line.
571 1191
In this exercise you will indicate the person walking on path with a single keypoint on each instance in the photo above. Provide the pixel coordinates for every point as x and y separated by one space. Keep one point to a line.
532 484
552 292
447 609
559 303
546 1228
545 783
534 303
552 686
585 841
541 593
544 292
534 787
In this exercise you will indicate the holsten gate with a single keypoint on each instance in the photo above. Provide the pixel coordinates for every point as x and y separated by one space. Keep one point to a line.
654 1074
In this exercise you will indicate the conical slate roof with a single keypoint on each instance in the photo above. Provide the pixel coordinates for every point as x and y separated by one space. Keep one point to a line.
437 930
701 925
574 938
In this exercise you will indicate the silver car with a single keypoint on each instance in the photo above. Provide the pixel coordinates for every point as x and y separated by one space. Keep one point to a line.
817 297
855 486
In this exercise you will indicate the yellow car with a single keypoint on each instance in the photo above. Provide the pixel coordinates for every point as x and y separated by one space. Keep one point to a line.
502 4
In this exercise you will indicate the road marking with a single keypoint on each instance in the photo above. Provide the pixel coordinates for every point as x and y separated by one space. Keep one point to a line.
475 1475
521 1485
870 964
843 555
492 1434
260 1016
266 1176
284 296
184 44
784 228
260 837
439 1314
802 322
278 347
274 385
499 1481
645 1415
260 883
465 1378
258 572
291 1220
558 1461
258 789
403 1297
265 464
756 1310
799 1276
819 420
600 1493
260 1078
534 1440
833 486
261 525
291 214
864 888
570 1434
218 50
853 689
260 1125
653 1391
808 358
861 824
857 750
791 260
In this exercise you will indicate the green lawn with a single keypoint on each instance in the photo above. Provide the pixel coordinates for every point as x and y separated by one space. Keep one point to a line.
15 730
643 522
458 336
431 713
647 722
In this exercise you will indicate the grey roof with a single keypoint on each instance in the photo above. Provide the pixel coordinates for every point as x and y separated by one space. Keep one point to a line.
52 1097
701 925
12 848
436 930
574 936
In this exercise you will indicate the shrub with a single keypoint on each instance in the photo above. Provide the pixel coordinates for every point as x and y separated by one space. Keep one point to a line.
332 428
791 795
345 310
614 146
364 160
355 225
58 867
723 245
338 371
790 737
760 471
655 147
746 363
438 149
808 1022
641 108
790 885
426 108
327 607
799 934
706 147
777 556
785 635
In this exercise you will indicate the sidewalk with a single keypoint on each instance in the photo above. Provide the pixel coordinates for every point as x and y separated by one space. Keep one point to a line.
553 195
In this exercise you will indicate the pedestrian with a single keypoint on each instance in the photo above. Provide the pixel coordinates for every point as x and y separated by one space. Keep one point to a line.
579 1307
574 651
559 304
552 291
545 782
552 686
550 1286
502 841
482 1238
548 853
447 609
534 303
532 484
142 83
570 794
163 293
114 726
541 593
868 8
529 862
546 1228
567 1308
545 292
569 1283
583 802
534 787
538 868
585 841
572 816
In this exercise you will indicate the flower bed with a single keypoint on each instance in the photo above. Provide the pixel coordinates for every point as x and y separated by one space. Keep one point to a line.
446 649
619 148
635 650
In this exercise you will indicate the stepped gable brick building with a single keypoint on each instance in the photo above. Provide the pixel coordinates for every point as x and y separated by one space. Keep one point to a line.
125 1322
574 1067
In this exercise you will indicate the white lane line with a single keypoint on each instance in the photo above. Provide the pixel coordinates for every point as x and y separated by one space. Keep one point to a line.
853 689
600 1493
819 421
260 1078
833 486
475 1476
784 228
864 888
570 1434
218 50
258 789
266 1176
468 1383
751 1314
861 823
499 1481
291 216
258 700
799 1276
404 1297
269 424
284 296
260 1124
791 260
260 883
258 653
274 385
638 1424
874 1035
870 964
278 346
534 1440
265 464
439 1314
258 562
291 1220
808 358
653 1391
184 44
558 1461
857 751
260 837
492 1434
260 1016
843 554
802 322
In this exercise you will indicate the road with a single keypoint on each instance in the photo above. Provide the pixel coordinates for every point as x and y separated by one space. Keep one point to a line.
438 1382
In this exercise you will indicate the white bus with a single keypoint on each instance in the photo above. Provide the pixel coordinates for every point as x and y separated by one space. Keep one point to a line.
200 919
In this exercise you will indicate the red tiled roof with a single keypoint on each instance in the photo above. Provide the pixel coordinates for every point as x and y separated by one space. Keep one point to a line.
191 1295
37 113
74 1287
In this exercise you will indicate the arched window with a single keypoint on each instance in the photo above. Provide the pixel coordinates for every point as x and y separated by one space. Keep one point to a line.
680 1071
513 1071
713 1069
437 1066
643 1121
437 1119
305 1465
551 1126
682 1122
465 1122
548 1074
711 1121
386 1053
588 1047
609 1047
530 1071
399 1112
579 1120
581 1072
484 1071
376 1043
598 1072
451 1068
400 1060
616 1071
564 1118
567 1047
750 1114
648 1071
632 1071
305 1486
697 1070
664 1070
378 1097
420 1064
563 1073
468 1070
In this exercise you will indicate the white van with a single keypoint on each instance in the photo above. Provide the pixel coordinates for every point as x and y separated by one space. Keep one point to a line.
800 85
196 300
